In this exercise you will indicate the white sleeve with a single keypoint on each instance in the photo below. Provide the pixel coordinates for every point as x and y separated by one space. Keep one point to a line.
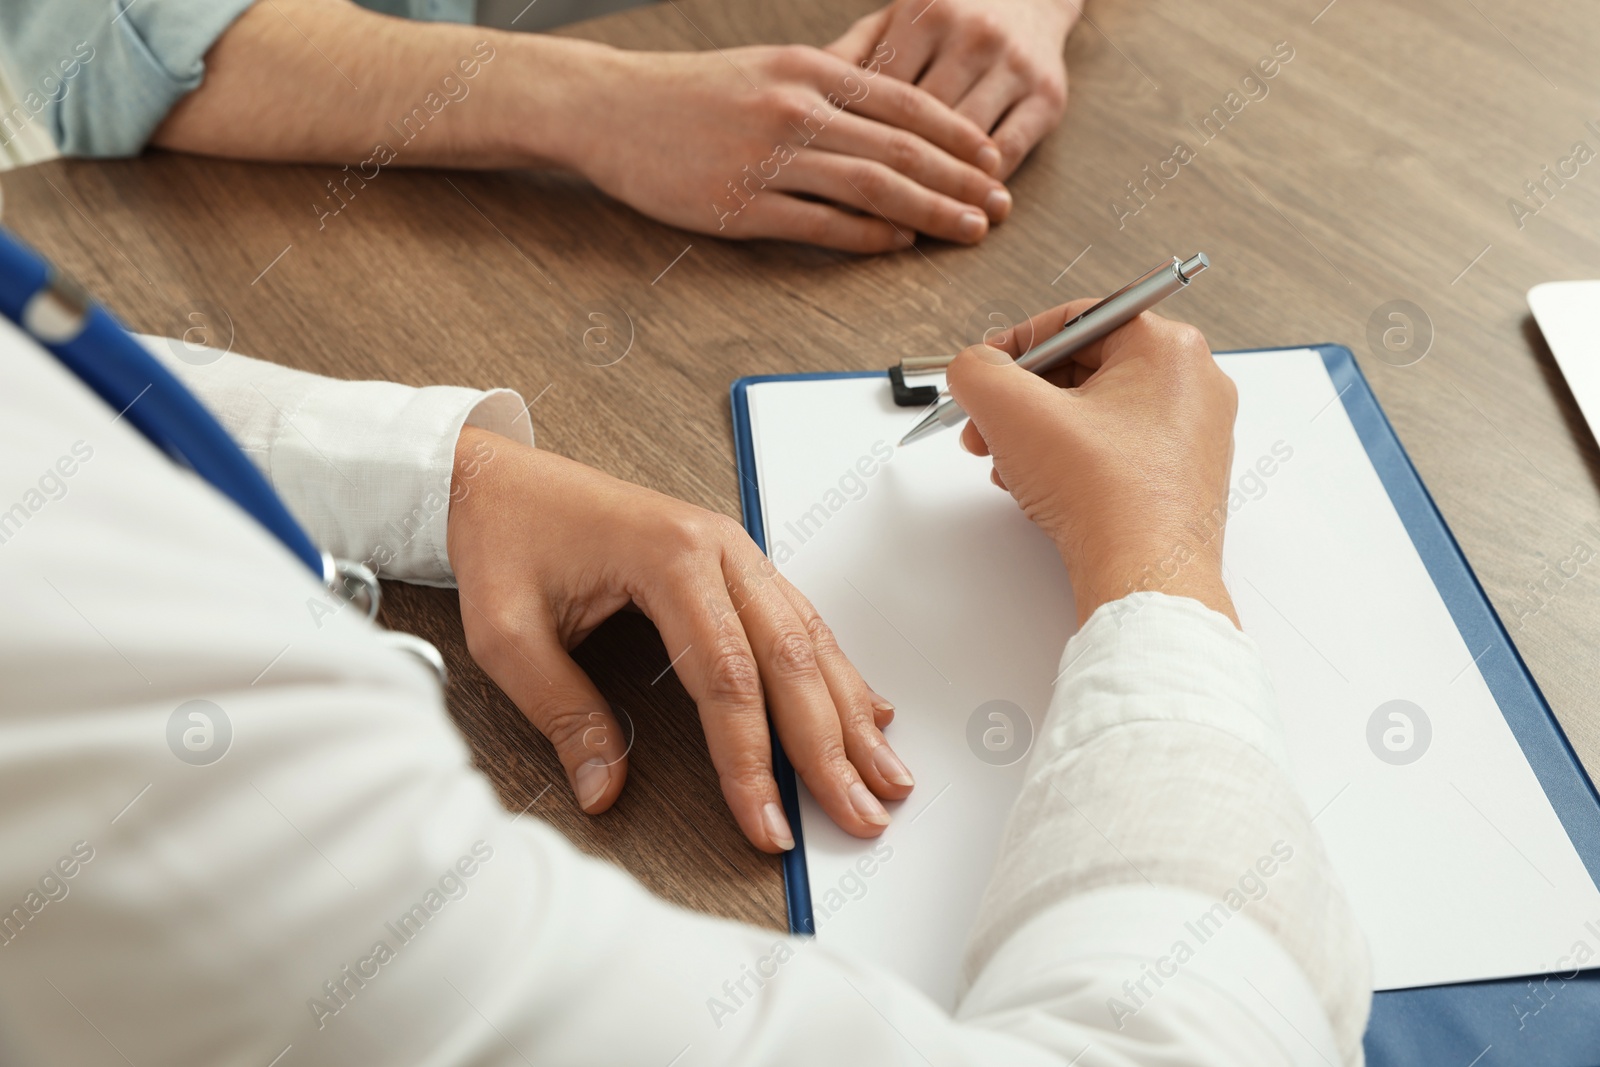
305 868
364 466
1159 843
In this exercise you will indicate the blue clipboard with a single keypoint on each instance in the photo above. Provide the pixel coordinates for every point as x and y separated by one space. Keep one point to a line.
1548 1020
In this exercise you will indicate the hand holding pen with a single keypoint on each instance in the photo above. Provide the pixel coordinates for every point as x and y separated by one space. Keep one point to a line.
1121 455
1093 323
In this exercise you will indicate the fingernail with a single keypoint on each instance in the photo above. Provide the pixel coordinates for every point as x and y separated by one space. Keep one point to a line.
777 826
989 158
994 356
972 225
867 805
890 767
591 782
998 205
881 703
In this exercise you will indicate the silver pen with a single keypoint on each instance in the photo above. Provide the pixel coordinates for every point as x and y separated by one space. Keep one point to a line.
1118 309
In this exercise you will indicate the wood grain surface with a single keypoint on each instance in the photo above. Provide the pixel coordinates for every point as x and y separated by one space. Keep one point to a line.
1379 166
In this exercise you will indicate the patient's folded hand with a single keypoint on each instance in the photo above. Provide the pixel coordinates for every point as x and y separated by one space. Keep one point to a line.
790 142
997 62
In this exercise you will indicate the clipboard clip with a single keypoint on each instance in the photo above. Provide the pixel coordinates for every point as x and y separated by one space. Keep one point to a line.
916 396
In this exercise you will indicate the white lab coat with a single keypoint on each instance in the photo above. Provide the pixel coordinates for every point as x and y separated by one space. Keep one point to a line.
342 887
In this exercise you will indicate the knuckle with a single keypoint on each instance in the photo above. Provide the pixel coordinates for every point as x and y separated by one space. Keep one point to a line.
831 758
786 105
981 32
1016 59
747 774
1227 393
860 723
902 151
792 655
747 579
725 528
1052 88
687 531
1012 142
906 101
872 180
985 29
823 643
1188 339
733 677
795 60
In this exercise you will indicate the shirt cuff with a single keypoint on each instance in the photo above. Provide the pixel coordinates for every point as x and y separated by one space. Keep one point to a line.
1126 648
370 464
367 467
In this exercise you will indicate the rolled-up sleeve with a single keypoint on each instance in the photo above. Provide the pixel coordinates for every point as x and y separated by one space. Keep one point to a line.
100 75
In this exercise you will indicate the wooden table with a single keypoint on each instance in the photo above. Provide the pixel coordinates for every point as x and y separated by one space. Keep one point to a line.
1378 167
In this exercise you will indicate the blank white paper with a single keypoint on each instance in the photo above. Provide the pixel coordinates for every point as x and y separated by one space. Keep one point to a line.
947 598
1568 314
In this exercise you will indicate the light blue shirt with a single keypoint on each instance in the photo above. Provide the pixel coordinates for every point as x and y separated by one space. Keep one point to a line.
99 75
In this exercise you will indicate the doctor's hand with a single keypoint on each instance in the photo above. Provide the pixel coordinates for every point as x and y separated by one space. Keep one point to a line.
997 62
544 549
1123 456
788 142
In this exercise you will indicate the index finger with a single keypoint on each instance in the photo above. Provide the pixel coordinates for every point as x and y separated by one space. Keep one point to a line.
1016 340
712 658
1091 357
808 721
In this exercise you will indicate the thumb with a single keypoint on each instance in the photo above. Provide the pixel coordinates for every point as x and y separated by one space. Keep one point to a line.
1011 407
558 698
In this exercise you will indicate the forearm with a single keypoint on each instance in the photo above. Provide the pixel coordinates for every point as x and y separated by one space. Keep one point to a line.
327 81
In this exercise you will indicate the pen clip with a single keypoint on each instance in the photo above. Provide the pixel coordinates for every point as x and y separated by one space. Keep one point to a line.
1174 265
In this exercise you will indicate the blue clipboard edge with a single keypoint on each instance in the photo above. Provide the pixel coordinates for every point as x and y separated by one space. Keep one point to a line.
1443 1013
796 879
1419 1026
1539 733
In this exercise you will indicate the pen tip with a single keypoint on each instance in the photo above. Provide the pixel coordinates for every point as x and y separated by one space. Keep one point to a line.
919 431
930 424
